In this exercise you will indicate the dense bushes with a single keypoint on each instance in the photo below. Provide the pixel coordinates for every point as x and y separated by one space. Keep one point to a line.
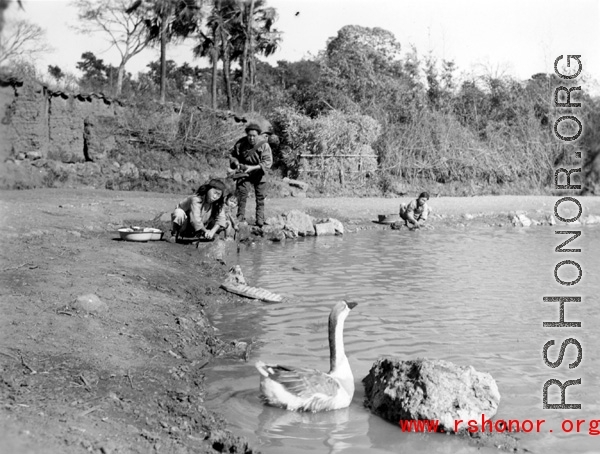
329 151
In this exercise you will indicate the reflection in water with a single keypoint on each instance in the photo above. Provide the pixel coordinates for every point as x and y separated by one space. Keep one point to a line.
285 429
474 298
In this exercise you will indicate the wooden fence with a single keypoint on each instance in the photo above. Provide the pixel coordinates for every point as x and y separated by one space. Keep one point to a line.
340 167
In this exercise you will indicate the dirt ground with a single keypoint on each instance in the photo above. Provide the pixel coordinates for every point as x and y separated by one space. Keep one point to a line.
127 376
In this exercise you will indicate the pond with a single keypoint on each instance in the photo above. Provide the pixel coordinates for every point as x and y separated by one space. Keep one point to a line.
473 297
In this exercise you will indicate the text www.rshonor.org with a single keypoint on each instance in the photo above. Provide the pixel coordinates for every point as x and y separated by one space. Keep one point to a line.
591 426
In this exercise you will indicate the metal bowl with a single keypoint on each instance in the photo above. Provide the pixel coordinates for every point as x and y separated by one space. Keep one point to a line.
157 234
388 218
129 234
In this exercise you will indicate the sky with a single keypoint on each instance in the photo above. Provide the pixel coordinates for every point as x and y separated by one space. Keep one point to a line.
502 37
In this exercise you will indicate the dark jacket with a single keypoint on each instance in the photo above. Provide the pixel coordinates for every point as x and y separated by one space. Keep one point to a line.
259 154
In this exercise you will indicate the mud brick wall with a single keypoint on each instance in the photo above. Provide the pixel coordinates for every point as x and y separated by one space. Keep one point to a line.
38 123
23 119
81 127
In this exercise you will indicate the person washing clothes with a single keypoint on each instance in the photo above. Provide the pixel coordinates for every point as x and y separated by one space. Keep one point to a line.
415 213
201 214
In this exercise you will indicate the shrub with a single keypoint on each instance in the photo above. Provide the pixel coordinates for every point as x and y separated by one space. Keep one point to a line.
329 150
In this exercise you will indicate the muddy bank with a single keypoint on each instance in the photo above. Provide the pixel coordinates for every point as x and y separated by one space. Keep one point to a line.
129 377
126 377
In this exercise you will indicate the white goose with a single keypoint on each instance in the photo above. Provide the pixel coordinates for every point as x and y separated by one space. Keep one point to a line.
295 388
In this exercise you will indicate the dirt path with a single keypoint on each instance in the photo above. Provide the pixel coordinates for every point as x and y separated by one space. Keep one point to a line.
128 377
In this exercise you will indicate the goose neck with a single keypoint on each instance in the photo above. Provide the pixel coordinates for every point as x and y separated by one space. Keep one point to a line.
336 342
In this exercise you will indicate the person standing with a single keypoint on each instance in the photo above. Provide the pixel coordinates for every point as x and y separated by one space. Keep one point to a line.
251 155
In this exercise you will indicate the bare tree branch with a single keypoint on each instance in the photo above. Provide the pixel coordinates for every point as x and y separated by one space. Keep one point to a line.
123 28
22 39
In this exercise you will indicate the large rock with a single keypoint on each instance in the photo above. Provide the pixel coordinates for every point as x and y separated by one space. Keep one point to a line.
338 227
277 222
425 389
299 223
273 232
325 228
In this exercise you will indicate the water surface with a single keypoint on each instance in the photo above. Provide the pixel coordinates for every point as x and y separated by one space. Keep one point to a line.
471 297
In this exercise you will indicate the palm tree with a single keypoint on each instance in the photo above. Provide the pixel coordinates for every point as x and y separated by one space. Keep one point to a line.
236 31
209 47
256 35
217 45
167 20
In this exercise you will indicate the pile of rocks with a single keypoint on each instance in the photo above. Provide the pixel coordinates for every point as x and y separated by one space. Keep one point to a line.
295 223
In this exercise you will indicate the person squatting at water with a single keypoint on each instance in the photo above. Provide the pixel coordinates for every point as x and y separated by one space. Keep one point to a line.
251 155
414 214
201 214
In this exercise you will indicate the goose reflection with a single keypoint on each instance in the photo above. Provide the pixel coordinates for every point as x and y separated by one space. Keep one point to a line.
294 431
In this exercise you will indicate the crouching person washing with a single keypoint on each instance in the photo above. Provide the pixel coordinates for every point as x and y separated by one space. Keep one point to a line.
415 213
201 214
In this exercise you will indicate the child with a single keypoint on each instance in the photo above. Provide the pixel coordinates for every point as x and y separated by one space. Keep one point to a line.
201 214
415 213
231 203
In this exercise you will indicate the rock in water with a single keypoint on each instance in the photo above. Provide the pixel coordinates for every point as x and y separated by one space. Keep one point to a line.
520 220
430 389
326 228
299 222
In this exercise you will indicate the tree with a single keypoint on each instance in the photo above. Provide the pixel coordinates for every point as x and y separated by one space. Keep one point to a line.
92 67
209 46
440 86
227 20
56 72
237 30
181 80
258 37
362 60
96 74
125 31
22 39
216 43
167 20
